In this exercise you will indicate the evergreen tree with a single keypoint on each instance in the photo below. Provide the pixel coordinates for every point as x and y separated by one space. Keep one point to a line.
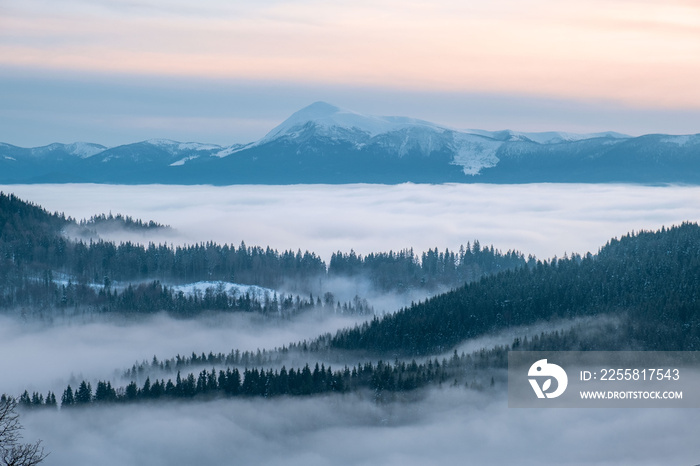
84 393
67 399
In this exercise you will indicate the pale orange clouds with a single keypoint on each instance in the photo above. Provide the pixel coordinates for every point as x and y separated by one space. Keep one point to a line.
637 52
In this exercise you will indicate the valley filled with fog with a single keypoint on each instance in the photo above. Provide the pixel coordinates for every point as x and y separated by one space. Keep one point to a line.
540 219
436 425
447 426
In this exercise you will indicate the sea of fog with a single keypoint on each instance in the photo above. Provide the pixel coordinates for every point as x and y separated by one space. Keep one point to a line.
448 426
540 219
444 426
37 356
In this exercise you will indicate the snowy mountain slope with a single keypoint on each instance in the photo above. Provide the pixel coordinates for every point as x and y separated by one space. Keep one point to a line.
399 136
547 137
473 153
52 151
82 150
19 164
156 150
323 143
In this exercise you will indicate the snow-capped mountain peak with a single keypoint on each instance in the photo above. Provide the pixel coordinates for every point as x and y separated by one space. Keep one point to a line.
397 135
323 143
328 118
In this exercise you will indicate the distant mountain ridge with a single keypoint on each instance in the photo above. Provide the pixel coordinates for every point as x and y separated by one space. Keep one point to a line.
323 143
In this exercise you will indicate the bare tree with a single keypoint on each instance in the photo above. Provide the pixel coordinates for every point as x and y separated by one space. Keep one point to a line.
12 452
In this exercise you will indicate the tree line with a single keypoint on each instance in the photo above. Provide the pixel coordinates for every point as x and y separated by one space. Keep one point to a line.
48 299
34 252
651 279
475 370
376 378
123 221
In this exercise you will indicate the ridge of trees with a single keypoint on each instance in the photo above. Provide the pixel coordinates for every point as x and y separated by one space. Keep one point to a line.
36 261
153 297
475 371
649 282
653 278
401 376
124 221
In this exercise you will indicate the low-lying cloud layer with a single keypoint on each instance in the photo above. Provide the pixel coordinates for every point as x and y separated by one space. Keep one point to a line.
446 426
41 358
451 426
540 219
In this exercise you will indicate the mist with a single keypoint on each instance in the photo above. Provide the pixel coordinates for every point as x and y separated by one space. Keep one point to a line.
434 426
445 426
345 289
540 219
587 324
41 357
119 233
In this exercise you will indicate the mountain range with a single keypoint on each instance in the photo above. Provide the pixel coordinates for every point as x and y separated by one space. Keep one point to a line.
322 143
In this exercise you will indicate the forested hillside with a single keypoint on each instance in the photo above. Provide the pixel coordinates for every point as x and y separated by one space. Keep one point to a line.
42 268
650 278
646 284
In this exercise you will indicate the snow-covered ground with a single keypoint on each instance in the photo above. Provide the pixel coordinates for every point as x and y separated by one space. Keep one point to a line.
256 292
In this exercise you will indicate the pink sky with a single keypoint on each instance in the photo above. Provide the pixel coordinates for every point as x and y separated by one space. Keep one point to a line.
639 52
627 53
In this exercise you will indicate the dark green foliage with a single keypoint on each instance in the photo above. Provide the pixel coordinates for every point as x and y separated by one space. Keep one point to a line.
34 254
648 283
105 393
652 278
478 370
51 400
122 221
378 378
84 393
67 399
404 270
24 400
37 400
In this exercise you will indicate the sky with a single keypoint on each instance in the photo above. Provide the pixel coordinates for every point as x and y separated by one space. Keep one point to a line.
120 71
